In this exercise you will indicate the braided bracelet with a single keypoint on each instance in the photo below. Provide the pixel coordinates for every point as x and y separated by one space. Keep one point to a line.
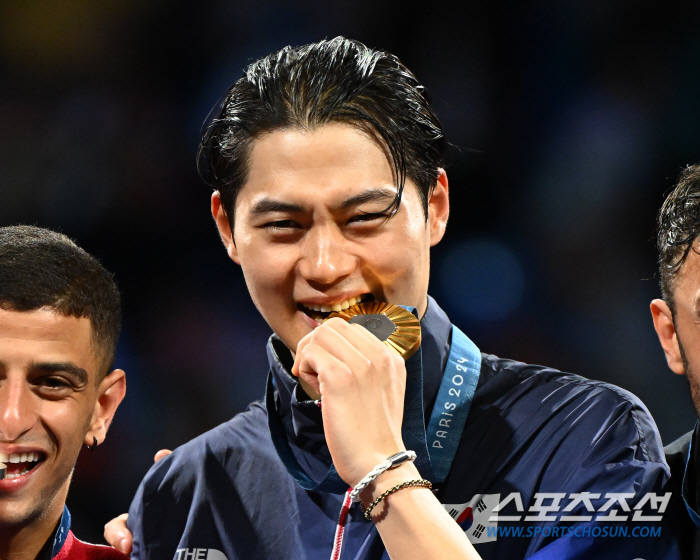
390 463
418 482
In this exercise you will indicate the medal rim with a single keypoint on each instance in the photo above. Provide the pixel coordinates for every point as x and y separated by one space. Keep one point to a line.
405 340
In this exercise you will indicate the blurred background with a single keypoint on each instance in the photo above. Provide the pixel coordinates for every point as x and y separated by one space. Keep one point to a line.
570 121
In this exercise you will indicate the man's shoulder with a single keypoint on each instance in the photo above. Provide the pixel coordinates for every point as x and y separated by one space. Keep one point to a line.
236 447
680 447
244 428
511 375
246 432
534 395
75 549
677 458
209 482
687 534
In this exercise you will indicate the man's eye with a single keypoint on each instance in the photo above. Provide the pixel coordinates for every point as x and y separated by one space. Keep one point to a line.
281 225
53 384
56 382
368 217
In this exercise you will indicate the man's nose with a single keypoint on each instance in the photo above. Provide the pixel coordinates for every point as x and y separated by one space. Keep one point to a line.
17 413
326 257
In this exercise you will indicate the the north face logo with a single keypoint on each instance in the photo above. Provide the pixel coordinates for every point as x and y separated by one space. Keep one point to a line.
199 554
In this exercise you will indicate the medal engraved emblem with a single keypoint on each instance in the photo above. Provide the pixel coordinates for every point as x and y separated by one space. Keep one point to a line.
393 325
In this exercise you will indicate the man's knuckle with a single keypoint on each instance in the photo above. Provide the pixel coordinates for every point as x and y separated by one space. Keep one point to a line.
385 360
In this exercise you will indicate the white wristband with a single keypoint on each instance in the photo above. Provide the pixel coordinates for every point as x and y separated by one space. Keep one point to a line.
391 463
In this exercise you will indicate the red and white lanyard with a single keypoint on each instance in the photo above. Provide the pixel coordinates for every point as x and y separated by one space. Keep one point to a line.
340 528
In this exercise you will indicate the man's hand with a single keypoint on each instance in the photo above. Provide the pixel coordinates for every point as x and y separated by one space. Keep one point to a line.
116 532
117 535
362 383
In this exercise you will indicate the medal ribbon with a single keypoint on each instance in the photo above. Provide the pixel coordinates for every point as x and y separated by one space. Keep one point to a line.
436 450
61 533
454 400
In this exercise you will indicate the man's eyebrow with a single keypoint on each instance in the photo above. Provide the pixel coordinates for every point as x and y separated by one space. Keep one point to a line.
267 205
369 195
66 367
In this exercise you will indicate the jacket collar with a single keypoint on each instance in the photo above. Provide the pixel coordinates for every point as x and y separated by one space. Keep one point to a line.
690 487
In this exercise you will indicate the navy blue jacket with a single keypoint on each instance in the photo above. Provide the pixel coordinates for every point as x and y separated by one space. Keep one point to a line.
685 486
531 429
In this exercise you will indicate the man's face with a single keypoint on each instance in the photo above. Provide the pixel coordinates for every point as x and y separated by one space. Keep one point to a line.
310 232
48 396
680 335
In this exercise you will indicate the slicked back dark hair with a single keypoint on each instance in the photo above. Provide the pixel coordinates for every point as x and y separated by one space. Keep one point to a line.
678 226
41 268
333 81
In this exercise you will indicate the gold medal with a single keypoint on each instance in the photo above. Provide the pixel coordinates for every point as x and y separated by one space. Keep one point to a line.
393 325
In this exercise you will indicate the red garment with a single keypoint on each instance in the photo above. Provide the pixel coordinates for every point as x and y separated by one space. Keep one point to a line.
74 549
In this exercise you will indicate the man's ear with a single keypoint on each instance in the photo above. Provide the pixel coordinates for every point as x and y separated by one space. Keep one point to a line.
666 331
224 227
439 208
110 393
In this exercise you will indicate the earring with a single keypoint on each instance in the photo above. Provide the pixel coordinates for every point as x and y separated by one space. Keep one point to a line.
94 444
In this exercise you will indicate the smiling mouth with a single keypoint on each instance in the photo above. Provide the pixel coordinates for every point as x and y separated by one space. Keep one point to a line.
19 464
319 312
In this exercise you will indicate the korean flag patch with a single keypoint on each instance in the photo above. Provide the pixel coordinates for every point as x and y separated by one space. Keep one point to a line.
473 517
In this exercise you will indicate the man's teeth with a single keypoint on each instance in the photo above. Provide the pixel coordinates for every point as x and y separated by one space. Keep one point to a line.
28 461
16 475
19 457
336 306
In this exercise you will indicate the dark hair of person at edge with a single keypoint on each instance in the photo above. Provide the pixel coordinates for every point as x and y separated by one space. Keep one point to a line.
334 81
45 269
678 226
